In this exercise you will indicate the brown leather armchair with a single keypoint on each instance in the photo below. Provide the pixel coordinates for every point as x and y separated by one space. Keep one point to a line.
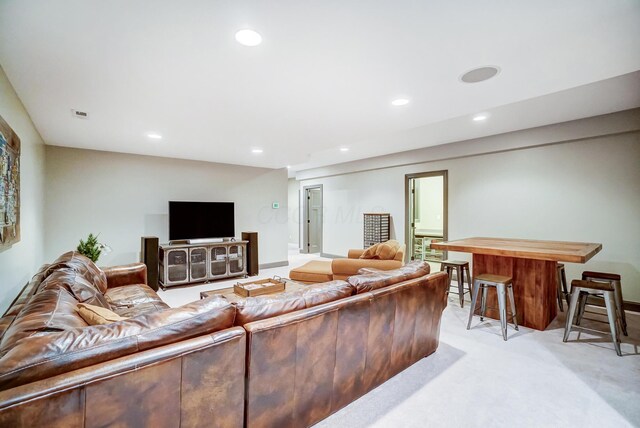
344 268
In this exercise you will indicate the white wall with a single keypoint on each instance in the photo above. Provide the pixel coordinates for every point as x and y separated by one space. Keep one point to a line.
294 212
586 190
123 197
20 262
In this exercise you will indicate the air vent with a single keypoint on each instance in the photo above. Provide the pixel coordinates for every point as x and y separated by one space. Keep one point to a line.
79 114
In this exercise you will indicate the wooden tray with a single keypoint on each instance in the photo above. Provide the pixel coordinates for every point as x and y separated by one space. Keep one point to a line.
260 287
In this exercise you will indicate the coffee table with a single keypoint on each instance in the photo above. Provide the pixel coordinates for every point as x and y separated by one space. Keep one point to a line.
228 293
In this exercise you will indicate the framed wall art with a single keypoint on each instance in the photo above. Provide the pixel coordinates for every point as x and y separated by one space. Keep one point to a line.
9 186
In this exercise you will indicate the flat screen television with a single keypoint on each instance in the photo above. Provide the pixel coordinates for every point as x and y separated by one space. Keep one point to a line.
201 220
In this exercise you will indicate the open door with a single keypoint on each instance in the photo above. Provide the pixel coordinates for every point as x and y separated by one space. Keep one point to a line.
426 210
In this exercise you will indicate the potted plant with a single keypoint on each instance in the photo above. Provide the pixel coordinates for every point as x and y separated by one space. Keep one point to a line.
91 248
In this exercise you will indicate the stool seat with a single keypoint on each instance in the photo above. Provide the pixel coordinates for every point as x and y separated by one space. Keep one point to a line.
601 275
489 277
454 263
592 285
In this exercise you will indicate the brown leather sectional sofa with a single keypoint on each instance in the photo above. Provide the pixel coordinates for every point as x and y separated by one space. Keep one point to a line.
283 360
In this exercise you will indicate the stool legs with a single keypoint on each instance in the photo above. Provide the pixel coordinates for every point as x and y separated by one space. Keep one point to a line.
502 307
512 302
611 314
575 295
474 302
461 270
562 286
501 290
460 276
483 304
583 297
578 297
619 306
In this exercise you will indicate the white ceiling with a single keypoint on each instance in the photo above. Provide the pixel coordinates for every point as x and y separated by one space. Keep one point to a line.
323 78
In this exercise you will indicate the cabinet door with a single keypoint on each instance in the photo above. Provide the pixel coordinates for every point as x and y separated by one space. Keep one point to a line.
197 264
177 266
218 261
236 259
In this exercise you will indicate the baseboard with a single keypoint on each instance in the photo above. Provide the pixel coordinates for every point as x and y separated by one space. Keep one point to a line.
331 256
274 264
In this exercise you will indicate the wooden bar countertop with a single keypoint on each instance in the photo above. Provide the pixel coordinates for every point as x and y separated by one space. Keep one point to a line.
558 251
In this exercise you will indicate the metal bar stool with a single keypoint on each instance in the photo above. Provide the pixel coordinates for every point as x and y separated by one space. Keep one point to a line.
502 284
562 286
461 267
581 289
615 281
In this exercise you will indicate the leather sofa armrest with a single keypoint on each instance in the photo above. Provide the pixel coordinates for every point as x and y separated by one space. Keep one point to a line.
355 253
134 273
347 267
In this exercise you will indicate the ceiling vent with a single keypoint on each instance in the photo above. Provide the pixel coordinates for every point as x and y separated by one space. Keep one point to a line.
79 114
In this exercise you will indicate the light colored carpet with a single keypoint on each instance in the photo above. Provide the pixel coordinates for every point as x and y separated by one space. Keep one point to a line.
475 379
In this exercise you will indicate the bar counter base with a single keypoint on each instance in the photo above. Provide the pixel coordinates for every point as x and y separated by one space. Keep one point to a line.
534 288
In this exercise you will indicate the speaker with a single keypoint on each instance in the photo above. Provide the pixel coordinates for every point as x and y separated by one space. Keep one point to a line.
252 252
149 256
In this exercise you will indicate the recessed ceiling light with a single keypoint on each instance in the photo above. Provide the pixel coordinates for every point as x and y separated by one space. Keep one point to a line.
480 117
344 149
480 74
256 151
154 136
248 38
288 166
400 102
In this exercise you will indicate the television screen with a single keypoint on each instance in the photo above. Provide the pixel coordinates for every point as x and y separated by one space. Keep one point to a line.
199 220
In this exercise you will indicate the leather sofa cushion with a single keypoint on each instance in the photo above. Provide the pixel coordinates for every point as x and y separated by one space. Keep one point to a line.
97 315
77 285
41 357
81 264
318 294
257 308
133 300
49 311
370 279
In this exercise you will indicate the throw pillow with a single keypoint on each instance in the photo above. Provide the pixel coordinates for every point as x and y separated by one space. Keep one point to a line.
387 250
370 253
96 315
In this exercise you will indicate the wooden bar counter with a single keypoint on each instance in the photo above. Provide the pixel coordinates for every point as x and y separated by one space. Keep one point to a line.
531 264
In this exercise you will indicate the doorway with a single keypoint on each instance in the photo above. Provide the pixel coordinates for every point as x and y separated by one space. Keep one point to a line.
312 219
426 215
